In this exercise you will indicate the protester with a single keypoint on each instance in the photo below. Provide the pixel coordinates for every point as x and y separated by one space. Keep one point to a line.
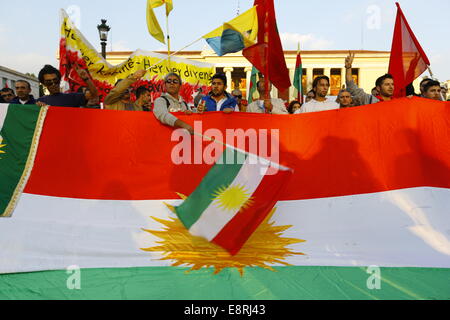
384 85
310 95
321 86
218 99
50 77
294 106
242 104
143 98
7 95
345 99
422 85
266 104
432 90
91 103
444 91
119 97
24 96
171 101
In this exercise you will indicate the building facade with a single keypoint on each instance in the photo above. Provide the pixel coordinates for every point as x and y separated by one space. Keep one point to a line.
8 78
367 67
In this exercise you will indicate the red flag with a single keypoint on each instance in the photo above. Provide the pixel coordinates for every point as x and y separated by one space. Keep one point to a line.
267 55
408 60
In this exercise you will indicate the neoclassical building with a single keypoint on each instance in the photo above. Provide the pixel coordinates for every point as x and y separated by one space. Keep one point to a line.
367 67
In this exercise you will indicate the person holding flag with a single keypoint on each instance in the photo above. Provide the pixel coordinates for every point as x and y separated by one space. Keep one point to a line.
266 104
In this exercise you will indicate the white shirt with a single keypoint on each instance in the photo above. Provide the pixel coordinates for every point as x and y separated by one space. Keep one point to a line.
258 106
220 103
316 106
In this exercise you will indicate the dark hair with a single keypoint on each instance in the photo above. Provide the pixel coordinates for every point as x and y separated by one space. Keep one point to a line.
430 84
140 91
311 91
25 81
380 80
316 80
425 80
220 76
173 74
7 90
48 69
291 105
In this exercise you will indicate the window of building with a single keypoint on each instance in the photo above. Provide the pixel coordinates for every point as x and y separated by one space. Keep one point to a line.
335 82
304 82
355 75
239 81
318 72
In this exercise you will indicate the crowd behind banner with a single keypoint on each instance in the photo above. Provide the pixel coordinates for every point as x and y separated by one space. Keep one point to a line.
134 94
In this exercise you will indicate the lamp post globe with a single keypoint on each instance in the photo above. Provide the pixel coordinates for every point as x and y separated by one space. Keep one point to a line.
103 30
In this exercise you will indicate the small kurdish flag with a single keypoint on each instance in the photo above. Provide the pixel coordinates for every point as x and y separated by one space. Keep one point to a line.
298 76
233 199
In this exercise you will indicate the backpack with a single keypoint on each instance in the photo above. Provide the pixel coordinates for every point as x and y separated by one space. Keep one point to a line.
168 103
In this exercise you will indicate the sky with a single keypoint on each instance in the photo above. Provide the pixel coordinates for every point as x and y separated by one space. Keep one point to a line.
29 30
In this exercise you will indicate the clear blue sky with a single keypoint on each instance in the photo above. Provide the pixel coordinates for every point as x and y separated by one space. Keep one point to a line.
29 30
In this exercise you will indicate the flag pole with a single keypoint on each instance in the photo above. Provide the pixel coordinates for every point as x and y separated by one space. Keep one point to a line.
300 79
226 145
172 54
168 40
431 73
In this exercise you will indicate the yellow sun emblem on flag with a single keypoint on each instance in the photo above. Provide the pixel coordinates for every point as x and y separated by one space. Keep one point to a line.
1 145
265 247
232 198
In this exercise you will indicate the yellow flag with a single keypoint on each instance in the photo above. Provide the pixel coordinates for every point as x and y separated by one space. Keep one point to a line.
152 23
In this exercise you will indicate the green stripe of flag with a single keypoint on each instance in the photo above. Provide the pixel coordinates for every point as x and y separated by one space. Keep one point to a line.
221 175
18 132
172 283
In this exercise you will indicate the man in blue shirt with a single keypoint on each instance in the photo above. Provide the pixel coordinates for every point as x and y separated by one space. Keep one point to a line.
218 99
50 77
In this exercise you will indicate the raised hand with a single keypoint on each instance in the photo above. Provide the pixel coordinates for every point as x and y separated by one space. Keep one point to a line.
139 74
349 60
84 75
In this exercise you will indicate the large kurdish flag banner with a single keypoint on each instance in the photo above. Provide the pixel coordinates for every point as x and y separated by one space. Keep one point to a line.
363 216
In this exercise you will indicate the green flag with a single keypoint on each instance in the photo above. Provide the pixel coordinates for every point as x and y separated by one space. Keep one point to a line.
253 81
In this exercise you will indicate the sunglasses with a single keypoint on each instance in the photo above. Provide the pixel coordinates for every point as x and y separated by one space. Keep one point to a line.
239 97
8 95
174 81
50 82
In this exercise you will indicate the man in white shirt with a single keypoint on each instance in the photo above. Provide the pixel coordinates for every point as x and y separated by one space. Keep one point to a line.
320 102
266 104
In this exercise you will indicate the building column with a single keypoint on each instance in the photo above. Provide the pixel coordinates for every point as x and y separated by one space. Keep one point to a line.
343 78
228 71
327 72
309 79
248 75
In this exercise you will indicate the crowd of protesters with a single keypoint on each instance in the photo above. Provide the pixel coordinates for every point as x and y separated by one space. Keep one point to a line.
218 99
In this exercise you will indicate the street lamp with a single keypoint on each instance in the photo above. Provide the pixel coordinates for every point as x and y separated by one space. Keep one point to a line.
103 30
